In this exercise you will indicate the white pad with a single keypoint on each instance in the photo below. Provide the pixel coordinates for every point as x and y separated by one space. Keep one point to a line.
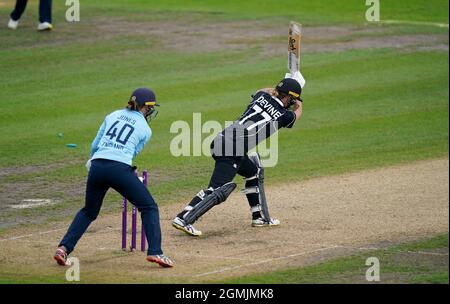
297 76
250 190
256 208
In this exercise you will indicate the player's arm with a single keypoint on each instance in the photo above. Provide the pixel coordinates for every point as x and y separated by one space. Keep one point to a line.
291 116
270 91
298 109
101 131
142 143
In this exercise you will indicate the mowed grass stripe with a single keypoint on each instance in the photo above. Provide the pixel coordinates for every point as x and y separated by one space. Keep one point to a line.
388 76
362 98
312 12
365 144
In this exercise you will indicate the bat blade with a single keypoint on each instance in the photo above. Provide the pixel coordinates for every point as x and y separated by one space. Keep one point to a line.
295 35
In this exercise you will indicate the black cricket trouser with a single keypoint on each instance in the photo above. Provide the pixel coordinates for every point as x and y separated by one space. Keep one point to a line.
105 174
45 10
226 168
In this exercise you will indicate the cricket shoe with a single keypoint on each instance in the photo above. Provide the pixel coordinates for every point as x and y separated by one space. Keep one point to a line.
189 229
161 260
260 222
44 26
61 256
13 24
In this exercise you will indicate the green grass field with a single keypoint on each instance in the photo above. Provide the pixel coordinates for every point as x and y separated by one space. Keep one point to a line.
364 108
424 261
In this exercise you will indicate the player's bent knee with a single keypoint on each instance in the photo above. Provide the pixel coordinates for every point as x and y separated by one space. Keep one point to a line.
91 215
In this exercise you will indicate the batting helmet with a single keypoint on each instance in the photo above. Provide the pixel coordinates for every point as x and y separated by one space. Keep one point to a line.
290 86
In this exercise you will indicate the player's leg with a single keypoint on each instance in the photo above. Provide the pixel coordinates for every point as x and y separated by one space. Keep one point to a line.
220 187
96 189
45 11
45 15
18 9
248 170
128 185
254 192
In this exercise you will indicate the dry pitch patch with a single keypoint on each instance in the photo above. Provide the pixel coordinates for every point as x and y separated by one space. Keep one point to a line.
321 218
191 33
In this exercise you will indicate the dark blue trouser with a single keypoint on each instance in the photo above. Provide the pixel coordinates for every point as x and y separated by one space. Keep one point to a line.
105 174
45 10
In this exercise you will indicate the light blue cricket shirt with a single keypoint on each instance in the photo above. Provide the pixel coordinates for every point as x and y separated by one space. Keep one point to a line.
121 136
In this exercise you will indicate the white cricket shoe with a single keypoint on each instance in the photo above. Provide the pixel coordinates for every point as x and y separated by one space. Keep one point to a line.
13 24
161 260
45 26
260 222
189 229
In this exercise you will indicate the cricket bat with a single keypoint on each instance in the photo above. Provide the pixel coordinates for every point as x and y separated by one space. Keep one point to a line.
294 44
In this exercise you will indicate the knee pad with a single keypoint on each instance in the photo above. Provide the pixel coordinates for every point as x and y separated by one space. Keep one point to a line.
252 183
251 186
255 184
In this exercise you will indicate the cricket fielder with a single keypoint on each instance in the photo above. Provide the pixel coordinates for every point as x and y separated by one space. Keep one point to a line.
120 138
269 110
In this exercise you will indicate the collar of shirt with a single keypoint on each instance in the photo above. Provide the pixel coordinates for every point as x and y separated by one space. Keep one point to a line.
139 113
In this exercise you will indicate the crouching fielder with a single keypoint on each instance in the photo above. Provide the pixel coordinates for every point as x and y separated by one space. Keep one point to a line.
120 138
269 110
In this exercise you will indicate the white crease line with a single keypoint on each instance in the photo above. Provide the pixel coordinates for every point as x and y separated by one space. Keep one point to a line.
34 203
29 235
214 257
47 232
414 22
118 248
40 242
366 248
263 261
16 237
428 253
287 242
317 244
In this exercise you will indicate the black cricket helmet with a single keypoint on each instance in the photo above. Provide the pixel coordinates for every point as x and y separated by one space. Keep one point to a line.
291 87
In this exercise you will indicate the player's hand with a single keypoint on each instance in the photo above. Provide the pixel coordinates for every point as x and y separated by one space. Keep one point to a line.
270 91
88 164
298 109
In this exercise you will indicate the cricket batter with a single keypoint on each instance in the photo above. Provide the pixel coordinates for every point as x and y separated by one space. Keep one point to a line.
119 140
269 110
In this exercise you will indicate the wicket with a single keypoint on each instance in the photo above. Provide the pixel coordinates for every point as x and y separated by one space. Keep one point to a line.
134 213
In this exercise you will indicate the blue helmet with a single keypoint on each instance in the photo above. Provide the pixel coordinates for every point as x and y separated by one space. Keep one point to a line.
144 97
